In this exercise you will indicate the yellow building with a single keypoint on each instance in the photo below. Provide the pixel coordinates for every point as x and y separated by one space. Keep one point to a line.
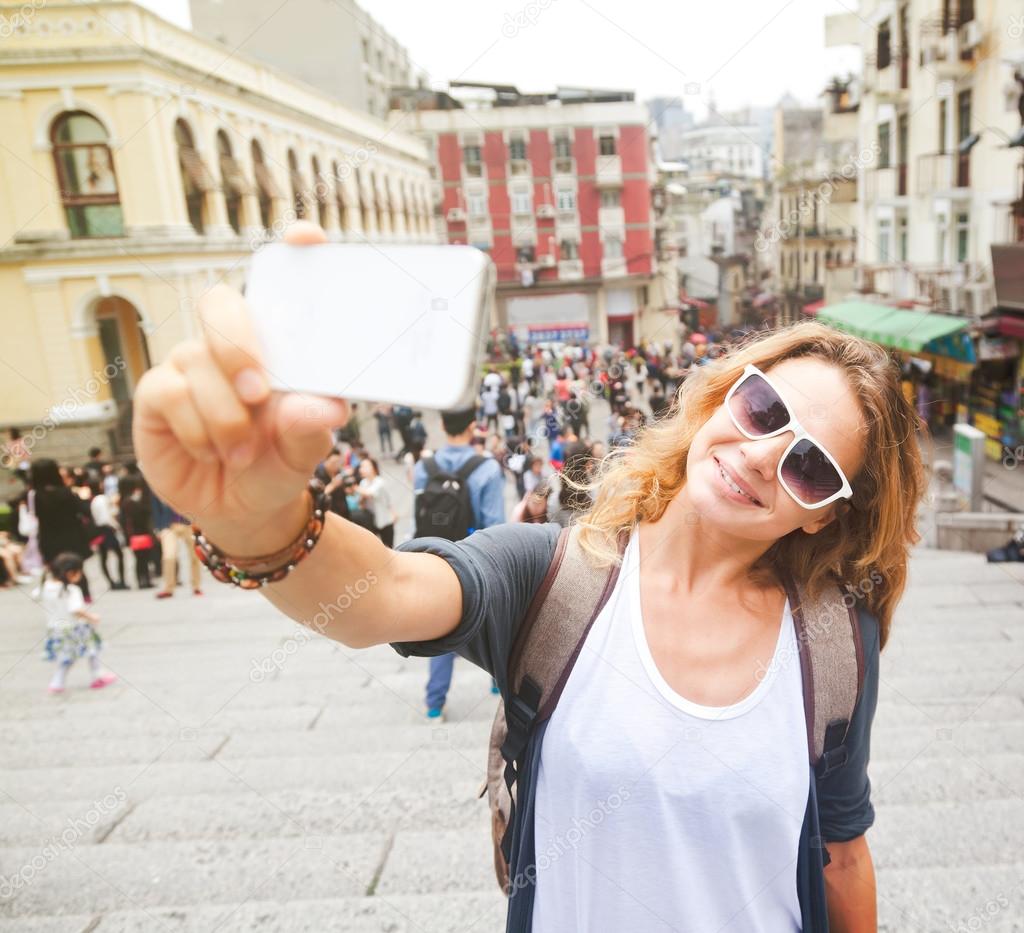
139 166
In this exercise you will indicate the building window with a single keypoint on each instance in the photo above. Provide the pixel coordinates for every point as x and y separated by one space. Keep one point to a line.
526 254
962 237
902 239
943 124
563 146
569 249
476 202
884 239
566 199
472 160
232 181
611 197
521 203
194 176
85 173
612 247
884 145
883 50
319 193
517 149
606 145
266 187
298 185
963 131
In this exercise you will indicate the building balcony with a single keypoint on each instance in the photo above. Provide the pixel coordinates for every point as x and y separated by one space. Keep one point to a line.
948 44
611 217
570 269
613 267
891 82
519 168
564 165
884 184
943 173
472 170
609 171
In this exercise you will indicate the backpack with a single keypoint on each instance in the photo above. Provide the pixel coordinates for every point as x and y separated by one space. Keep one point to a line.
551 636
444 508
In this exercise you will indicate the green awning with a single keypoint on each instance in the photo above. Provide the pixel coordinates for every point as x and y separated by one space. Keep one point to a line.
892 327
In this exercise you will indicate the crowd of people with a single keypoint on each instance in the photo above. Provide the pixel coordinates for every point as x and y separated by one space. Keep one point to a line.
531 428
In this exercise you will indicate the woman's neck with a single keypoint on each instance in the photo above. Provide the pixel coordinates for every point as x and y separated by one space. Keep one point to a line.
695 559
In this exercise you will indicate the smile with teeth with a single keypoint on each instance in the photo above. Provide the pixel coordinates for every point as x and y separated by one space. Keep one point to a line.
733 486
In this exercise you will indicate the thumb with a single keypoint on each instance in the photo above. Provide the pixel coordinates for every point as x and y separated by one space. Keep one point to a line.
302 427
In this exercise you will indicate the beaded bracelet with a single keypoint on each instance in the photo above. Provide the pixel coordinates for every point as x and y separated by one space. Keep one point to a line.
245 572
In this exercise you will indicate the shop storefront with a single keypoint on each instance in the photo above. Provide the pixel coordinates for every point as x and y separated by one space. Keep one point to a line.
936 352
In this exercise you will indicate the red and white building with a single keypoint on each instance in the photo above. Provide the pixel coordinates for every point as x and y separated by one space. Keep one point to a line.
557 189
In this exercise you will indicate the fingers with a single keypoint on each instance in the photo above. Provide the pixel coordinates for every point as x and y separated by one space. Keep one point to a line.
233 342
179 411
301 426
226 420
304 233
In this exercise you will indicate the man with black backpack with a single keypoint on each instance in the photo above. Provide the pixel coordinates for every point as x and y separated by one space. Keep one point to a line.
458 491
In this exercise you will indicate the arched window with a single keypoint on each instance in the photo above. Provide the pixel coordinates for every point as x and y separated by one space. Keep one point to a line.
85 173
298 185
339 197
195 177
266 187
319 193
232 181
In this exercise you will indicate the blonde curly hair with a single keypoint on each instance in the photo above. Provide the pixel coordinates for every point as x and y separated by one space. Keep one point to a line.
871 540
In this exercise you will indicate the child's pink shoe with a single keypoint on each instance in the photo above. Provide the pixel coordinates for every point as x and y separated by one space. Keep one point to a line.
104 680
55 690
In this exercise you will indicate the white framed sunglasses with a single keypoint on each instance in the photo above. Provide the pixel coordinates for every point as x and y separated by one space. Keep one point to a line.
806 470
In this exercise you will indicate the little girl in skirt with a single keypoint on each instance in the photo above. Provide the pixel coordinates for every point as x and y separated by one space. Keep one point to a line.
71 628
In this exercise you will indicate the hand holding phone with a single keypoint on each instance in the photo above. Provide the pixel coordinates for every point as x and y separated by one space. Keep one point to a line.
216 444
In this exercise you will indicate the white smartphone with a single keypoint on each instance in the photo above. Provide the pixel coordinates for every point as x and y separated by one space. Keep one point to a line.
400 324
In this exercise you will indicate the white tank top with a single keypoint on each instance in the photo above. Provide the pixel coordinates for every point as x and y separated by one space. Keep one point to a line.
654 813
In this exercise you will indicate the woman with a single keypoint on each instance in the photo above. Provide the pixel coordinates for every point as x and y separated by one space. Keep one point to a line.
62 517
724 826
374 495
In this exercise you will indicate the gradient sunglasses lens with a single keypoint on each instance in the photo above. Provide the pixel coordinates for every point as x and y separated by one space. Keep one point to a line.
757 408
810 474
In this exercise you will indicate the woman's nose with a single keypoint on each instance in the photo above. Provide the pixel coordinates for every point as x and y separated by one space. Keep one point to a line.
763 454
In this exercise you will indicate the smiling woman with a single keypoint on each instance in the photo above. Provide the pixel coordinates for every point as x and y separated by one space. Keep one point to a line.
681 719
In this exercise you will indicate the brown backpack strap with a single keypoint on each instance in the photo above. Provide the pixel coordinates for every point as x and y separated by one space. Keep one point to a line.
562 611
550 638
832 666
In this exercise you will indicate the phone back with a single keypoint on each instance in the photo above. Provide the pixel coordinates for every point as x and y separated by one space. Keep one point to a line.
403 324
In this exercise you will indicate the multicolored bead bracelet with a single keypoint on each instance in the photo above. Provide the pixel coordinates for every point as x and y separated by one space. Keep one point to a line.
251 573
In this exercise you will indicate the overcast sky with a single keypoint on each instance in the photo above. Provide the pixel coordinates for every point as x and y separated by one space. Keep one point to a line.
742 51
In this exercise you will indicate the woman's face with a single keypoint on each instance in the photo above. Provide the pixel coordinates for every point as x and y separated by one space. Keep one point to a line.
820 398
366 470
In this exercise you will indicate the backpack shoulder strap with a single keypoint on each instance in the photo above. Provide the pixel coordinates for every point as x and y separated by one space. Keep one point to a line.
832 668
549 640
469 466
430 466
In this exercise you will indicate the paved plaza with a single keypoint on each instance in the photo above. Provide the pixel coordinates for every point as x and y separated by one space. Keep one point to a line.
244 775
